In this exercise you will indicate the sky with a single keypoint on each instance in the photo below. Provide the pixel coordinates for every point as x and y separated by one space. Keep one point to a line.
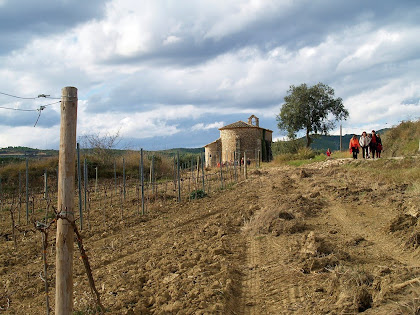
168 74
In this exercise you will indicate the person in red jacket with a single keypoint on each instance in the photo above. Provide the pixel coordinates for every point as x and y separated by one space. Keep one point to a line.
328 153
354 146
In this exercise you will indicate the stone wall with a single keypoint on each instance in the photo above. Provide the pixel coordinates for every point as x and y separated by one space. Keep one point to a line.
240 140
211 153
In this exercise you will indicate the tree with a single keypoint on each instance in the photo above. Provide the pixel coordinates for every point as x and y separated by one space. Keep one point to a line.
313 109
102 145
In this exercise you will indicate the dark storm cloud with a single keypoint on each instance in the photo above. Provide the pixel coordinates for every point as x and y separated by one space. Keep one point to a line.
22 20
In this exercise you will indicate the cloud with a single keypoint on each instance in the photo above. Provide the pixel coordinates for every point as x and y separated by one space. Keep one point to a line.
24 20
37 137
201 126
159 69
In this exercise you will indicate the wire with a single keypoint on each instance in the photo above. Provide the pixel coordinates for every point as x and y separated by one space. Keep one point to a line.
31 98
22 110
50 104
30 110
24 98
40 109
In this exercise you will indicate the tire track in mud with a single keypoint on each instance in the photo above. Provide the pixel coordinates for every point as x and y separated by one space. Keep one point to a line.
369 225
251 279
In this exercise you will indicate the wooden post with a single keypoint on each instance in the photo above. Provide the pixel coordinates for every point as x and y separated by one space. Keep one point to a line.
64 238
235 175
27 192
142 181
178 176
115 177
202 170
124 178
175 173
221 170
45 184
20 197
245 166
96 179
152 174
79 186
85 185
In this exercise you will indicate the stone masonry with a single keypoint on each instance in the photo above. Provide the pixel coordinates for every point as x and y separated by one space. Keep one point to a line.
239 138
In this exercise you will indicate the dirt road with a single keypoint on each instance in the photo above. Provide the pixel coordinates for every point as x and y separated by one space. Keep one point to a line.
314 240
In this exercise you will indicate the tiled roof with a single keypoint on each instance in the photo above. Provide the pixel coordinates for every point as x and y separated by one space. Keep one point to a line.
215 141
238 124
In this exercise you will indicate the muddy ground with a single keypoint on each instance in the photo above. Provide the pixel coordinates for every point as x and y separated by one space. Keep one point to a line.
320 239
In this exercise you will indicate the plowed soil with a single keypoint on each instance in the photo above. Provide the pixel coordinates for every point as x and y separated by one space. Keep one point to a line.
320 239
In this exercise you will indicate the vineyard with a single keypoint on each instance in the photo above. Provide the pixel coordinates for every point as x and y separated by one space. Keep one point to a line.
286 240
28 198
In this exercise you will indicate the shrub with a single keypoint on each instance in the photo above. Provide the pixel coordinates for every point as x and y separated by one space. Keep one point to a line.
197 194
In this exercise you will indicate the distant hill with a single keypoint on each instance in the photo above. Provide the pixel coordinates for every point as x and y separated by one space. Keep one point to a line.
17 152
182 151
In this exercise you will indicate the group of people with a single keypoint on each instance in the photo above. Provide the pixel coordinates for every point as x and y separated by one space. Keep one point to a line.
370 144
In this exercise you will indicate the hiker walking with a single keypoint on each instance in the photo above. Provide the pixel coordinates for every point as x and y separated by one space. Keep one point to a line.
364 142
354 146
378 146
373 144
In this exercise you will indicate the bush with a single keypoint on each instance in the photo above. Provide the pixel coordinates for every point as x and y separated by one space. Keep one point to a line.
287 147
197 194
305 154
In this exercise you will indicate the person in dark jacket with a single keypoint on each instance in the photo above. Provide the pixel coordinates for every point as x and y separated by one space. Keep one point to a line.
373 144
378 145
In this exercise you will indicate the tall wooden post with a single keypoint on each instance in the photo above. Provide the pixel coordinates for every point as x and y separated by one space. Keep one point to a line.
66 168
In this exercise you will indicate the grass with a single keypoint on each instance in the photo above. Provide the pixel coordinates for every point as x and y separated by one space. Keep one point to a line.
403 139
318 158
406 170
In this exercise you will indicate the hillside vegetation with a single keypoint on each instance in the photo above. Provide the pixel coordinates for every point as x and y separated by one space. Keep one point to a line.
403 139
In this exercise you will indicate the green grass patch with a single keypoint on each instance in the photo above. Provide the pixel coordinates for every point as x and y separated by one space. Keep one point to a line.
318 158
